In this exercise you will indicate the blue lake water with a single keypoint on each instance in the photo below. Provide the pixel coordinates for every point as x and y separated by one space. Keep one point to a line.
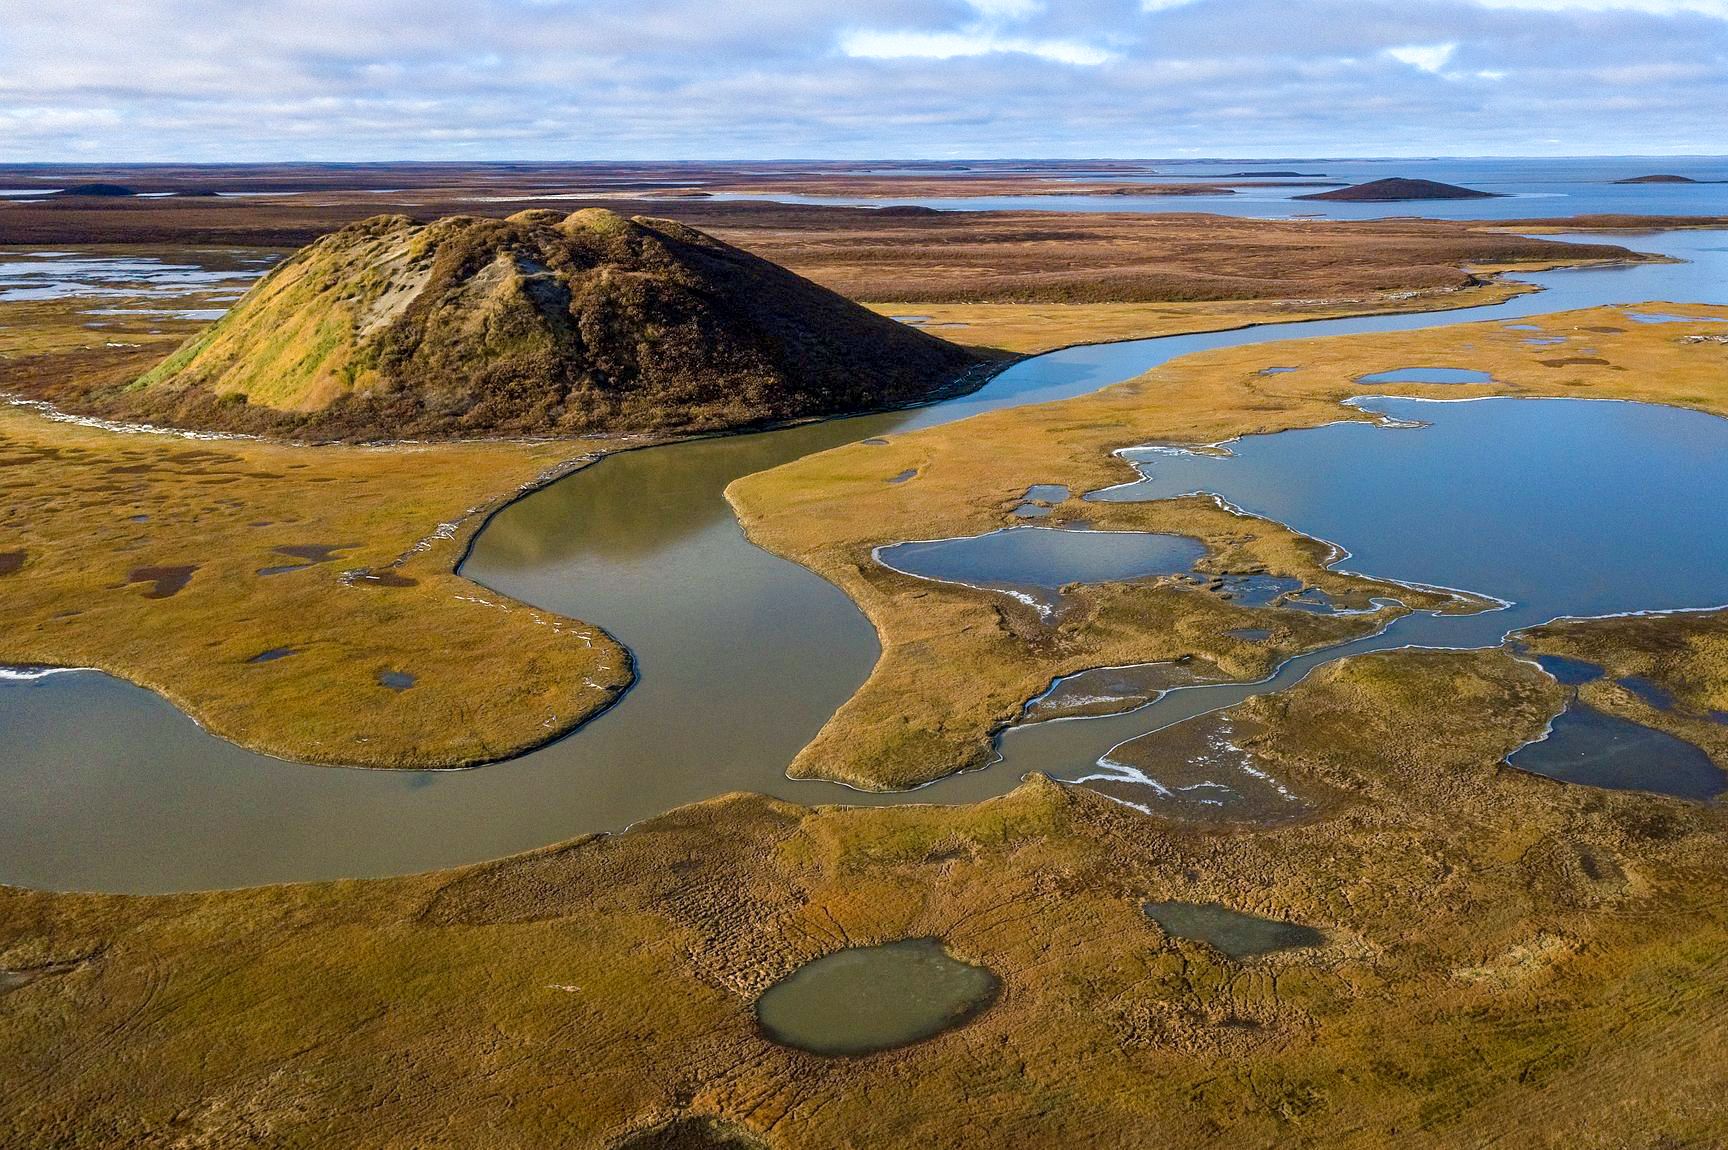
1528 500
1593 748
1034 563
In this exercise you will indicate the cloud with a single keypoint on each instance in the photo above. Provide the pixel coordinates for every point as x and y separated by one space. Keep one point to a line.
594 79
948 45
1006 9
1713 8
1428 57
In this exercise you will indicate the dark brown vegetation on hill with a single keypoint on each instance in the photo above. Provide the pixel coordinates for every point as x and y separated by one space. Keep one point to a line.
539 324
1392 190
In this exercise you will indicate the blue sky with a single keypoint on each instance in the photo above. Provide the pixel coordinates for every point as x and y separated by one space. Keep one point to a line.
740 79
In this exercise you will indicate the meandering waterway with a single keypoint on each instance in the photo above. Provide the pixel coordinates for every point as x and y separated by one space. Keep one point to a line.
742 657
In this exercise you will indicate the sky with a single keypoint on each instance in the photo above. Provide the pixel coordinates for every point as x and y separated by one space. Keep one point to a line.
254 80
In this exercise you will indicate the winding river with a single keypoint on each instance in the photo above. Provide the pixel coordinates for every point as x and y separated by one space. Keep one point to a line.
742 657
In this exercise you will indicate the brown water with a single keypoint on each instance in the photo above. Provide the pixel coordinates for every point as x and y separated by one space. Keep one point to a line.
1237 934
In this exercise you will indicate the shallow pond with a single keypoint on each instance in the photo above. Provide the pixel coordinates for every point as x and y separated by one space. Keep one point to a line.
869 998
1648 691
1570 672
1532 501
1589 746
742 657
1033 564
1237 934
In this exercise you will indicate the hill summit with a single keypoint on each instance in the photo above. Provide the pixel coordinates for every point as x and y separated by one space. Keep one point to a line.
539 324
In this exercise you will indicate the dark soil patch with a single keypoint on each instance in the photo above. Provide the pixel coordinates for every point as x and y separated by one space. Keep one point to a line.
166 581
11 562
1574 361
273 654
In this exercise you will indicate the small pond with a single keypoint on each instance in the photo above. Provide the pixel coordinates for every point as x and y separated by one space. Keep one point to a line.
1648 691
1589 746
1033 564
1237 934
868 998
1427 375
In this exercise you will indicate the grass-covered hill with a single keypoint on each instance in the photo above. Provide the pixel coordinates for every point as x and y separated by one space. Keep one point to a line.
539 324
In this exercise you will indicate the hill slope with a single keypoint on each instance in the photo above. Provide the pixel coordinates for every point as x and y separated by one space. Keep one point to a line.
539 324
1393 190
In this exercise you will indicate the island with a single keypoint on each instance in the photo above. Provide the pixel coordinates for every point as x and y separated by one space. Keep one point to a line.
109 191
1396 189
1658 179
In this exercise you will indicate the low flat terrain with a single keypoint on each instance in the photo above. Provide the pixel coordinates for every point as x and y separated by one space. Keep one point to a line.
829 511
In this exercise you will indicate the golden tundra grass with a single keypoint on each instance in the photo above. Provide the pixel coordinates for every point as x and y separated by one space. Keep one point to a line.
957 663
141 555
1506 961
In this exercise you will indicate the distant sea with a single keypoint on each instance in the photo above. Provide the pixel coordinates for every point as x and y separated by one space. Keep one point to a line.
1567 186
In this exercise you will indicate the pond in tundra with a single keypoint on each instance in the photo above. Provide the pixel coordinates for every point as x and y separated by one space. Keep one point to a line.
868 998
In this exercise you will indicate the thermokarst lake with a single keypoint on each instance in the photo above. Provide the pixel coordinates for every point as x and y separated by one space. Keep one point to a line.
743 656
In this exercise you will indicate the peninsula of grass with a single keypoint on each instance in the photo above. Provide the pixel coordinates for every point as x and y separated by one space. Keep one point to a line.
275 593
958 663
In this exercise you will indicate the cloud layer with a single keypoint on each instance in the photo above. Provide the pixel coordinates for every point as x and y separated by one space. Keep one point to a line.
730 79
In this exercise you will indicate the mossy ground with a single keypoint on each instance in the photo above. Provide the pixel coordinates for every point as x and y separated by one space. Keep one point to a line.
1507 961
956 662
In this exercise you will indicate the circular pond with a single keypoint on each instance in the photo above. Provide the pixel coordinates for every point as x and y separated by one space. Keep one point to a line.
869 998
